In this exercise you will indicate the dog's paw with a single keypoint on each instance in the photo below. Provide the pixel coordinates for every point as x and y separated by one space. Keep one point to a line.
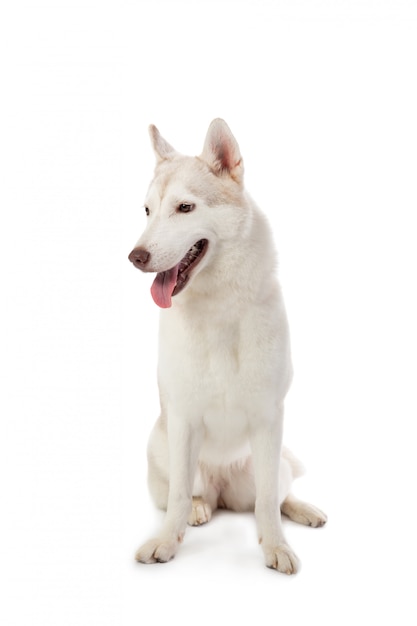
159 550
200 512
282 558
303 513
314 517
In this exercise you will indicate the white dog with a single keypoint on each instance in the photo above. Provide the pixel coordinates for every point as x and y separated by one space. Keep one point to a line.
224 357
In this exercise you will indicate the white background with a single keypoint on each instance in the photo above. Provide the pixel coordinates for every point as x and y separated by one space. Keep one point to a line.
322 98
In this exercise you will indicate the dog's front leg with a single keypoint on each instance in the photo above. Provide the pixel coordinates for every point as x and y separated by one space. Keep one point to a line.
184 439
266 440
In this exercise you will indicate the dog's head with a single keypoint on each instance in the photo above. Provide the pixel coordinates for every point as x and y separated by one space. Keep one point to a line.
188 208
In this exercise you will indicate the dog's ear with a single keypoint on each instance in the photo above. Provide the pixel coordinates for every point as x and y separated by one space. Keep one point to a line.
221 151
162 148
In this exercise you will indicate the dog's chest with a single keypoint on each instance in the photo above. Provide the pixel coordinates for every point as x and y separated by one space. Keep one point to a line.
219 363
202 354
222 373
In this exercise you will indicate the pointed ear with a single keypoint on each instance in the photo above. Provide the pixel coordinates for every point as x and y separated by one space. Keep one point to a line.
162 148
221 151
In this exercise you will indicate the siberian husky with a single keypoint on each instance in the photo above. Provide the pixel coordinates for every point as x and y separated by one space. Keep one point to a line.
224 352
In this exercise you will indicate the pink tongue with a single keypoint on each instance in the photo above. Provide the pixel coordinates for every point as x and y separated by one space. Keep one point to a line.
163 286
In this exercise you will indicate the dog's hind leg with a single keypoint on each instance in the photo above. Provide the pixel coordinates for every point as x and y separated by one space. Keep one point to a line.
297 510
201 512
205 499
302 512
205 494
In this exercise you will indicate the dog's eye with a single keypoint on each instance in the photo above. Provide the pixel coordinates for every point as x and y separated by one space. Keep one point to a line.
147 210
185 208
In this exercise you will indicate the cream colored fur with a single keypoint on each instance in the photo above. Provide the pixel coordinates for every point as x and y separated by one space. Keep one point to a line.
224 356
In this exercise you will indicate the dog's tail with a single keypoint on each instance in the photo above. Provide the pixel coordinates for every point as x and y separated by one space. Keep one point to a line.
297 467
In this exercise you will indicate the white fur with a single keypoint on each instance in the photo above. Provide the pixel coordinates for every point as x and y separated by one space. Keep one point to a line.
224 355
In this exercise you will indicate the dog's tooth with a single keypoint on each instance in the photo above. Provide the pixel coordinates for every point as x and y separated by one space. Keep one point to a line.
191 256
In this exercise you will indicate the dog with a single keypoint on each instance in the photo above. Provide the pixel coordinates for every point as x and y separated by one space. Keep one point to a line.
224 364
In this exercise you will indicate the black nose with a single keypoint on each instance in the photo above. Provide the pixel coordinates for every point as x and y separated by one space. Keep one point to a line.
139 257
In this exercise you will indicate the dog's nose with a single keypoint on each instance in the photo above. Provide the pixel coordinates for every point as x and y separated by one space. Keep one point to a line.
139 257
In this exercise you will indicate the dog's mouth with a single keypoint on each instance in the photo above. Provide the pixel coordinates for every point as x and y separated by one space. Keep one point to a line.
171 282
